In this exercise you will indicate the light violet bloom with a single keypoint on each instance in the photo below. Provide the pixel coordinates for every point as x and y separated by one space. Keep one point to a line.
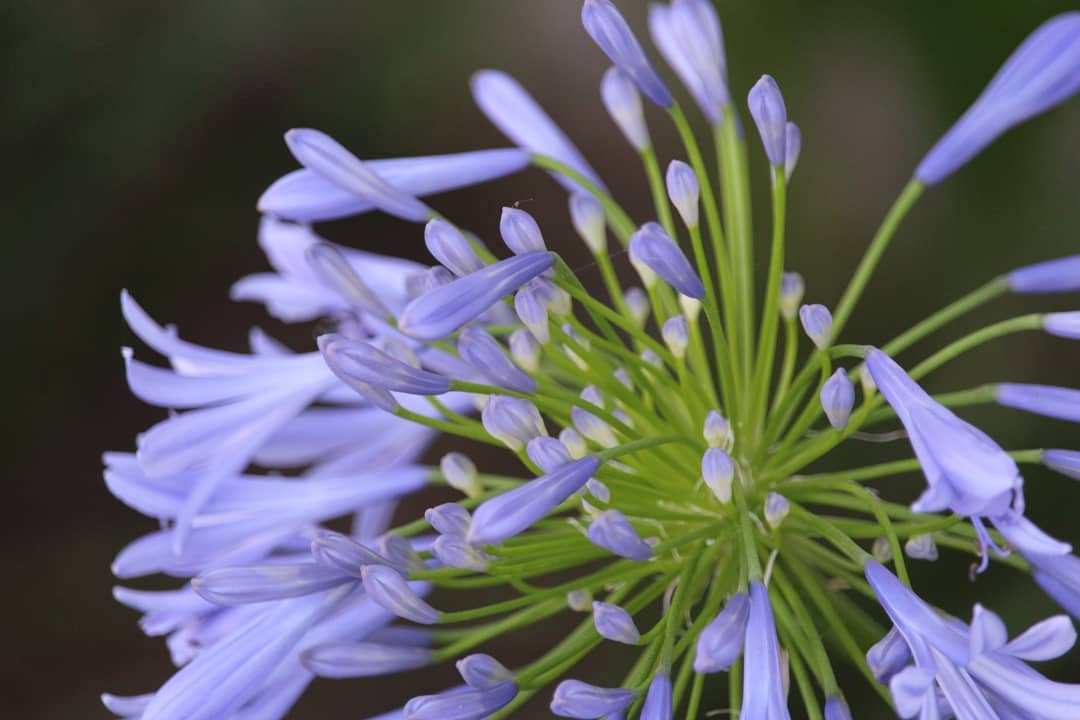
764 699
442 311
612 531
1053 276
623 104
614 623
607 27
721 642
1055 402
470 704
446 243
817 324
837 399
520 231
658 700
684 191
1043 72
770 115
306 196
687 33
652 247
513 511
575 699
482 671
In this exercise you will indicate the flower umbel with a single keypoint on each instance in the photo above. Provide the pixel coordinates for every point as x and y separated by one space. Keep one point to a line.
666 444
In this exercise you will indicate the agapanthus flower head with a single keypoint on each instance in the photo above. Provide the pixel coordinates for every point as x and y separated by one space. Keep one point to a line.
670 439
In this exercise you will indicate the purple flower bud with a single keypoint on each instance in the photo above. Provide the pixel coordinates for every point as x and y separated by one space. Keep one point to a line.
658 700
791 294
610 31
375 394
882 550
921 547
837 399
575 699
651 246
514 421
472 704
1052 276
482 671
344 554
1066 462
767 108
525 349
326 157
460 473
836 709
614 623
334 271
453 551
721 642
624 106
365 364
533 313
448 519
718 472
593 427
446 243
598 490
1043 72
555 299
442 311
676 335
792 148
362 659
777 508
1063 324
259 583
684 191
817 323
514 112
387 588
717 432
1055 402
587 216
888 656
399 553
579 600
423 283
612 531
513 511
687 32
765 697
305 196
547 453
482 351
637 301
573 441
520 232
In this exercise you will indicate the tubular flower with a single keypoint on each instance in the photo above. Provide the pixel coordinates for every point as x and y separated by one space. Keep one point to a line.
668 492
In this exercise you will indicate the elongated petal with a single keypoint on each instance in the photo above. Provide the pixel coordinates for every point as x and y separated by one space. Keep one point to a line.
624 106
612 531
511 512
389 589
442 311
259 583
513 111
575 699
653 247
484 352
471 704
362 659
658 700
306 196
722 640
1055 402
1052 276
1042 72
607 27
1066 462
687 33
1045 640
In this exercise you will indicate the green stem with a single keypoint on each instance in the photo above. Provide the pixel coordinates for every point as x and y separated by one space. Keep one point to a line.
770 316
870 259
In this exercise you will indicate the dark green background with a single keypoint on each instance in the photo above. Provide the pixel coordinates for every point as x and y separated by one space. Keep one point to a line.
137 136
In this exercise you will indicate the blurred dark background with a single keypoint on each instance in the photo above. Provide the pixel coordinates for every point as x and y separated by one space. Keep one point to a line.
137 137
